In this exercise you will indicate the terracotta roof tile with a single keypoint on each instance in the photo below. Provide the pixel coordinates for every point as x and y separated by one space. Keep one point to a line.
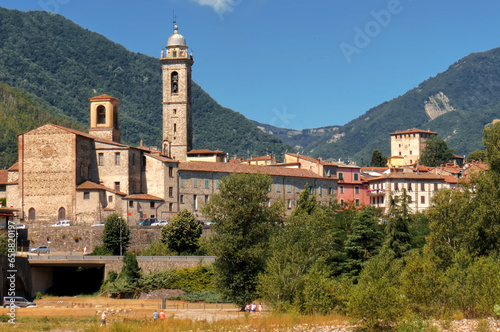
14 167
409 175
450 179
4 176
374 169
144 197
413 131
201 166
89 185
102 97
312 160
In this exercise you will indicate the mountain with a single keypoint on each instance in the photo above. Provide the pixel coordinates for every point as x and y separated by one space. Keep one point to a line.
63 65
456 104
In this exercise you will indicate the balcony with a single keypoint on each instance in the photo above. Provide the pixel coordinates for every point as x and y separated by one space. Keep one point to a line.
376 192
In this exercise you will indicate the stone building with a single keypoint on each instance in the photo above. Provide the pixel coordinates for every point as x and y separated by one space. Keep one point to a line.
65 174
409 144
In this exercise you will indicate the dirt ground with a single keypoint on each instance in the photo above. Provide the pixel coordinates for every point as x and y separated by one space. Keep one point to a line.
132 308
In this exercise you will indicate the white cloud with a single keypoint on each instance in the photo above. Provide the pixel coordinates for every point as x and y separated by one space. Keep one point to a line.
221 7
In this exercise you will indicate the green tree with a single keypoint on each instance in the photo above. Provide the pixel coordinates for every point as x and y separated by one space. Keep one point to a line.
491 140
182 233
378 159
362 243
435 152
306 202
130 270
477 155
243 223
4 244
116 234
398 237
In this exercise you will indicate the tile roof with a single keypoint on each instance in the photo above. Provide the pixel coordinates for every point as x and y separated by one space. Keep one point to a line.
450 169
4 176
450 179
162 158
102 97
413 131
14 167
218 152
201 166
312 160
374 169
89 185
144 197
408 175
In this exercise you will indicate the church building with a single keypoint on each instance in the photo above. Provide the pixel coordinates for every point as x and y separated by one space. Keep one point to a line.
63 174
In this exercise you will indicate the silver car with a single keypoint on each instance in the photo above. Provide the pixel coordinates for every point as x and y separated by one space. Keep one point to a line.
41 250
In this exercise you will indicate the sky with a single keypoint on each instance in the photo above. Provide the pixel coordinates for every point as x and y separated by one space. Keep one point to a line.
297 64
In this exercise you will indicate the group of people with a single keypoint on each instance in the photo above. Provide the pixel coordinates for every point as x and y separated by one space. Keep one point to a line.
161 315
253 307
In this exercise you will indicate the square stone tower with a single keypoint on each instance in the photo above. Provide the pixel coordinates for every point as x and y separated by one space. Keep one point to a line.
177 111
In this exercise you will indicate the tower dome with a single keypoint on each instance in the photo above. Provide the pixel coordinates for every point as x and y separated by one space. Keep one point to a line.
176 39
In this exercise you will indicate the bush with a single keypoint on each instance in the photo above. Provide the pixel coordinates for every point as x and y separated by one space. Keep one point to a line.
100 251
205 296
38 296
4 318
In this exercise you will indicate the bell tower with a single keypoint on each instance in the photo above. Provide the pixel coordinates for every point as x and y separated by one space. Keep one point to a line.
104 118
177 111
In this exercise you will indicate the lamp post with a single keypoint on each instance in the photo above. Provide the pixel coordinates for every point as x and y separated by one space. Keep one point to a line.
120 219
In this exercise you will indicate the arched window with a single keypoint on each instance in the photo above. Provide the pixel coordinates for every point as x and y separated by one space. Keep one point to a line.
101 114
175 82
61 214
31 214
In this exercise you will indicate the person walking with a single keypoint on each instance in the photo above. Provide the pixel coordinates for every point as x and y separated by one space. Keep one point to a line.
155 315
103 318
162 315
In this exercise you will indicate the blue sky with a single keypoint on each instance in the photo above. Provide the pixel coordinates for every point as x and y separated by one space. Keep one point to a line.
297 64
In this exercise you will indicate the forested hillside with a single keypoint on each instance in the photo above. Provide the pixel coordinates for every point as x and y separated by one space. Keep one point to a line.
63 64
20 112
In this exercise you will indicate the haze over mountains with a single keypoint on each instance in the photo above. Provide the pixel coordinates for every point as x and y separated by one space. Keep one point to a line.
58 65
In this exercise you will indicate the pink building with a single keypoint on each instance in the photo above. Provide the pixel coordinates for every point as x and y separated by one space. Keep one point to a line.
350 186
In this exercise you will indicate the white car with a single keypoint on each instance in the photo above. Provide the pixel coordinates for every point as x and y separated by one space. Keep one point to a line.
97 225
160 223
62 223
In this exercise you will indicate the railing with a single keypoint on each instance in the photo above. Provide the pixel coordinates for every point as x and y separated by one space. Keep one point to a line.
34 257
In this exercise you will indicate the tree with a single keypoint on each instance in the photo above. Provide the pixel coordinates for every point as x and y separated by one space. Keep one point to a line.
435 152
477 155
182 233
116 234
243 224
130 270
398 238
363 242
306 202
378 159
491 140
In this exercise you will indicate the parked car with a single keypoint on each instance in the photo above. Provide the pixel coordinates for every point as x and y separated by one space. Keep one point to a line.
147 222
17 301
98 224
40 249
160 223
62 223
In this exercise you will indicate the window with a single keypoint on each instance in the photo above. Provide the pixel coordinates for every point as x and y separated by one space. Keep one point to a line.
422 187
131 204
117 186
206 184
268 202
206 198
289 204
110 199
410 152
341 202
170 207
396 186
170 191
86 195
341 188
117 158
422 199
175 127
195 183
175 81
101 114
356 177
182 183
61 214
330 191
356 190
409 187
170 172
181 198
100 160
152 204
341 176
175 111
320 191
31 214
328 172
399 152
278 187
435 186
195 202
174 54
357 202
288 188
143 166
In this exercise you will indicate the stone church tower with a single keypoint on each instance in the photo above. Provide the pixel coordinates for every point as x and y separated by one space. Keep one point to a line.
177 111
104 118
